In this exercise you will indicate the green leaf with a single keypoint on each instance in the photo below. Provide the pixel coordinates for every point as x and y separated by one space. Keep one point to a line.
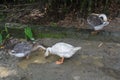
28 33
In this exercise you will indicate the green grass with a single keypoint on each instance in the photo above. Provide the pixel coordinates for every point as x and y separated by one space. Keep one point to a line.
51 35
53 24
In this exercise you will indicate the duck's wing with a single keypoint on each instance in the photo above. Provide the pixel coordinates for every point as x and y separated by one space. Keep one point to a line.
17 48
22 48
63 47
94 20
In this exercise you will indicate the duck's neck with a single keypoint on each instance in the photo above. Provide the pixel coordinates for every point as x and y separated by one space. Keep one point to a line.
37 47
48 50
103 16
40 46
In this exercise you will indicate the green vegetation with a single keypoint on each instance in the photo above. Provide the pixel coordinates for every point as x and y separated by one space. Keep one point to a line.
83 6
28 33
65 6
53 24
2 17
1 40
51 35
4 34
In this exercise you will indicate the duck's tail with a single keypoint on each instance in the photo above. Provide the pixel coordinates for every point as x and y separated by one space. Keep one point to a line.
77 48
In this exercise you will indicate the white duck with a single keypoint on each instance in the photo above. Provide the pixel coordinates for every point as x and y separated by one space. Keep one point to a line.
97 21
23 49
63 50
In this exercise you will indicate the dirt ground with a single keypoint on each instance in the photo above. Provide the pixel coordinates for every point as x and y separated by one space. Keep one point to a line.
95 61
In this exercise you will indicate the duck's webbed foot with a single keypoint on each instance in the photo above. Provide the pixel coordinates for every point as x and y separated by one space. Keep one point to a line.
60 61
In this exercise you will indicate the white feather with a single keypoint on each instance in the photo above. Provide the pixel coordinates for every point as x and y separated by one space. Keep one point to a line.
62 49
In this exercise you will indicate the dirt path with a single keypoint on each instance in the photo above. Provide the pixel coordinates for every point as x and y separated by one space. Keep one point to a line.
96 61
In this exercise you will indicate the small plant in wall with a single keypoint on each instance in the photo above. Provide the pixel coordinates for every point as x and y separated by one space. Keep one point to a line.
28 33
4 34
